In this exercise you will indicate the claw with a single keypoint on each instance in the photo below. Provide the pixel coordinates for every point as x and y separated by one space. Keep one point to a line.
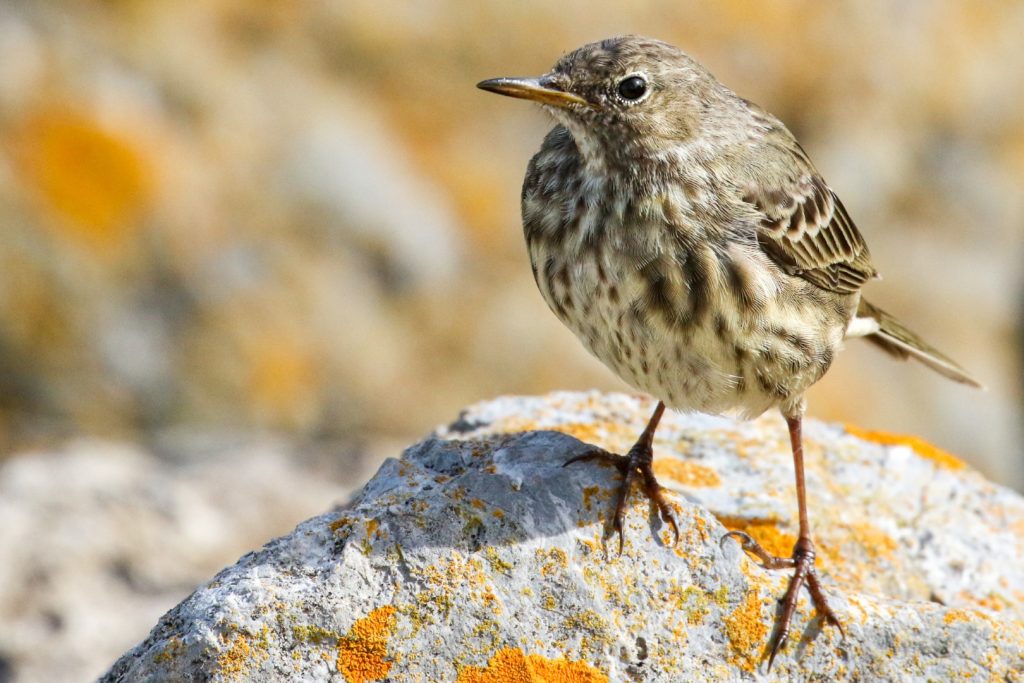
636 463
752 547
802 561
746 540
594 453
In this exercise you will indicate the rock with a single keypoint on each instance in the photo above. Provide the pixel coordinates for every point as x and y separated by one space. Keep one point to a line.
98 539
478 557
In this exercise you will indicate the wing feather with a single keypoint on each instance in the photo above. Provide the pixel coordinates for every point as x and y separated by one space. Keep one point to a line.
804 227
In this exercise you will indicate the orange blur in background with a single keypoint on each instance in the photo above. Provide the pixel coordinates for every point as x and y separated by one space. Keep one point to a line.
303 217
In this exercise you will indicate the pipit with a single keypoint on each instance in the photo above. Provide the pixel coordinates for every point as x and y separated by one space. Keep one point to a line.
683 234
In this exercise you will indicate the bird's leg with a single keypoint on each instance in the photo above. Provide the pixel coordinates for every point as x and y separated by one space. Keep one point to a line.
639 460
802 561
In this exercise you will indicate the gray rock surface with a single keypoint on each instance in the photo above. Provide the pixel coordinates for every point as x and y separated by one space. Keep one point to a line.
477 557
98 539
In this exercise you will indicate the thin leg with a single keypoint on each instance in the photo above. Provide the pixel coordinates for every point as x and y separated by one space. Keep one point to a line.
802 561
639 460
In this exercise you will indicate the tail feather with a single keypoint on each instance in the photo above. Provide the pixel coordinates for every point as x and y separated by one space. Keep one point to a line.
896 340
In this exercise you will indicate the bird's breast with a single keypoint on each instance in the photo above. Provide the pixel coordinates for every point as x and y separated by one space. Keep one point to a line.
658 287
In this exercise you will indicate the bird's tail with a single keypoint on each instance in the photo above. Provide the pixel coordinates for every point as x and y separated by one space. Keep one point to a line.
889 334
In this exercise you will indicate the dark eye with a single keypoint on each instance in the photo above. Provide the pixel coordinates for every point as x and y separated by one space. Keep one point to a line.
632 88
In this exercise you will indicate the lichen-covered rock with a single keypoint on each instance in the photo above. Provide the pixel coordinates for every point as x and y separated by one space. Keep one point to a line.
478 557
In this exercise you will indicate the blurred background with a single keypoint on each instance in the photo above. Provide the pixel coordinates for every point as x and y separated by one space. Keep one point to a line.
248 249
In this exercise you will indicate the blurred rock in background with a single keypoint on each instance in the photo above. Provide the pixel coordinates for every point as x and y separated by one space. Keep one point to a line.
99 539
302 218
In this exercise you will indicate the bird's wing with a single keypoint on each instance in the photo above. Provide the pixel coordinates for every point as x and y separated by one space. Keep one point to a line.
804 227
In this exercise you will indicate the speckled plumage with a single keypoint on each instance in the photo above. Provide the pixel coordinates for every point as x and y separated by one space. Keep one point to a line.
674 295
685 237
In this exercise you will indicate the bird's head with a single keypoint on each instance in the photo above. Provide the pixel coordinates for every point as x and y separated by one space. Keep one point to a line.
623 96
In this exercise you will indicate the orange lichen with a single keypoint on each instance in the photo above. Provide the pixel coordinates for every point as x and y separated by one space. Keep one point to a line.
491 600
362 652
701 527
919 446
477 503
511 665
992 601
686 472
587 432
610 435
764 531
746 629
282 376
87 172
955 615
875 542
588 494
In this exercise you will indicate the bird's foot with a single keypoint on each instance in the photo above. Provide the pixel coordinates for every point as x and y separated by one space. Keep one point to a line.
802 562
639 461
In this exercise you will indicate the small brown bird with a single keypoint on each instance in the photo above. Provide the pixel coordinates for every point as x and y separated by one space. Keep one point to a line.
683 234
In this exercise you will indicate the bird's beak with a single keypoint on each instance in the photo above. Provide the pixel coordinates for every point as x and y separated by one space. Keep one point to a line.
535 89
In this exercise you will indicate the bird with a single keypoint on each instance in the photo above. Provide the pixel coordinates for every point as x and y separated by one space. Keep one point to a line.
683 234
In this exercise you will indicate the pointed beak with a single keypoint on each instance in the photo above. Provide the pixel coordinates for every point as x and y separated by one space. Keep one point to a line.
536 89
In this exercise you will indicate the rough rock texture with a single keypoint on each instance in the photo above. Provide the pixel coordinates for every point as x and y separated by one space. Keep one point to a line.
478 557
97 539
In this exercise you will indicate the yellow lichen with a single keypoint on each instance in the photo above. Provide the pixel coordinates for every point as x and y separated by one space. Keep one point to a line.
919 446
511 665
695 603
746 629
588 494
685 472
362 652
316 635
241 651
552 560
593 629
446 579
495 560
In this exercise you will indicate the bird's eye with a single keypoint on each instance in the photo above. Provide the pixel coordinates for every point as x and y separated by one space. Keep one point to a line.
632 88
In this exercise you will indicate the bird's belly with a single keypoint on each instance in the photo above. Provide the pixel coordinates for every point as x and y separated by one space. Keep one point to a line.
717 359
